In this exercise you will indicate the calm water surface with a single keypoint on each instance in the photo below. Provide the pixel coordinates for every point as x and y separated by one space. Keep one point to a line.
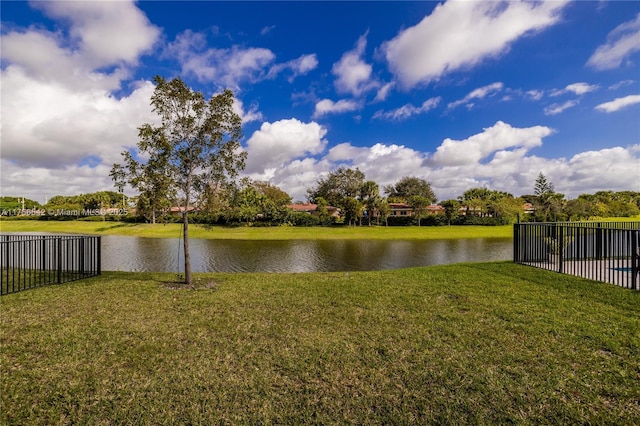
121 253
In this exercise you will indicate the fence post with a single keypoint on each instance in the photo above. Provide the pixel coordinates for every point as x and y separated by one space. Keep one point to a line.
43 253
599 242
635 259
59 243
81 266
516 241
99 253
561 248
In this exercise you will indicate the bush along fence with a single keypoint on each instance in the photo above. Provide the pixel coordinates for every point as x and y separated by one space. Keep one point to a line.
30 261
601 251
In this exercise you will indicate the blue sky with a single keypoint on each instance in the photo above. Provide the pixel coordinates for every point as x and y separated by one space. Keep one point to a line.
463 94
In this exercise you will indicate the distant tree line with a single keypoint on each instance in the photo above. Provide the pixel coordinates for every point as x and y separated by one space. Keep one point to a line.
360 200
18 203
100 200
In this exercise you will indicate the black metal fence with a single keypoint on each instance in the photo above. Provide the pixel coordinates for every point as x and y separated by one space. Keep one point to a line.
601 251
29 261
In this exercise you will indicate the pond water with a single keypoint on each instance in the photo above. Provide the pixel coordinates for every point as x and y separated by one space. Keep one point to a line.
120 253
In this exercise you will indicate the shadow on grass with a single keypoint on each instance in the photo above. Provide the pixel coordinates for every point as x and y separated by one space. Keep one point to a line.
169 280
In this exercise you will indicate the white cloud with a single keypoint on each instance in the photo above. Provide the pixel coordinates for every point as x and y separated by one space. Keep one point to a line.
304 64
232 66
74 115
536 95
300 66
611 169
555 109
246 116
65 139
327 106
282 141
267 30
619 103
383 92
408 110
620 84
105 32
64 126
40 183
479 93
621 43
353 75
477 147
225 67
460 34
499 159
100 35
576 88
385 164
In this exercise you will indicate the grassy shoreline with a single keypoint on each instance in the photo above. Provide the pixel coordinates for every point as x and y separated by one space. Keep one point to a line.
173 230
490 343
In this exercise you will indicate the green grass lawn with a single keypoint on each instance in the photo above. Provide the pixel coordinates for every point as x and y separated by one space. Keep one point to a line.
490 343
173 230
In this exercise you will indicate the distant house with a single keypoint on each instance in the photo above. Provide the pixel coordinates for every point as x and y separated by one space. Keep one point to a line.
471 210
528 208
178 210
313 209
400 209
404 209
435 209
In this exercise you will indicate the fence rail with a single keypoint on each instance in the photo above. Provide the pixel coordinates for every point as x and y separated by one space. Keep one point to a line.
29 261
601 251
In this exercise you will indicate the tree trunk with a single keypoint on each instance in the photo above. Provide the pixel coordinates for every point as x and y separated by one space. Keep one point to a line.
187 256
185 228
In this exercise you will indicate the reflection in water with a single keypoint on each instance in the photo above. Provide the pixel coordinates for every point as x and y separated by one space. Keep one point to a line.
166 255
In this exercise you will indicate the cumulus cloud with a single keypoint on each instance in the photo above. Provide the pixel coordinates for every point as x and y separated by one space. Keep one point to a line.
500 136
64 126
621 43
353 75
479 93
100 35
498 157
65 139
74 115
105 32
461 34
385 164
280 142
619 103
616 167
40 183
408 110
555 109
327 106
